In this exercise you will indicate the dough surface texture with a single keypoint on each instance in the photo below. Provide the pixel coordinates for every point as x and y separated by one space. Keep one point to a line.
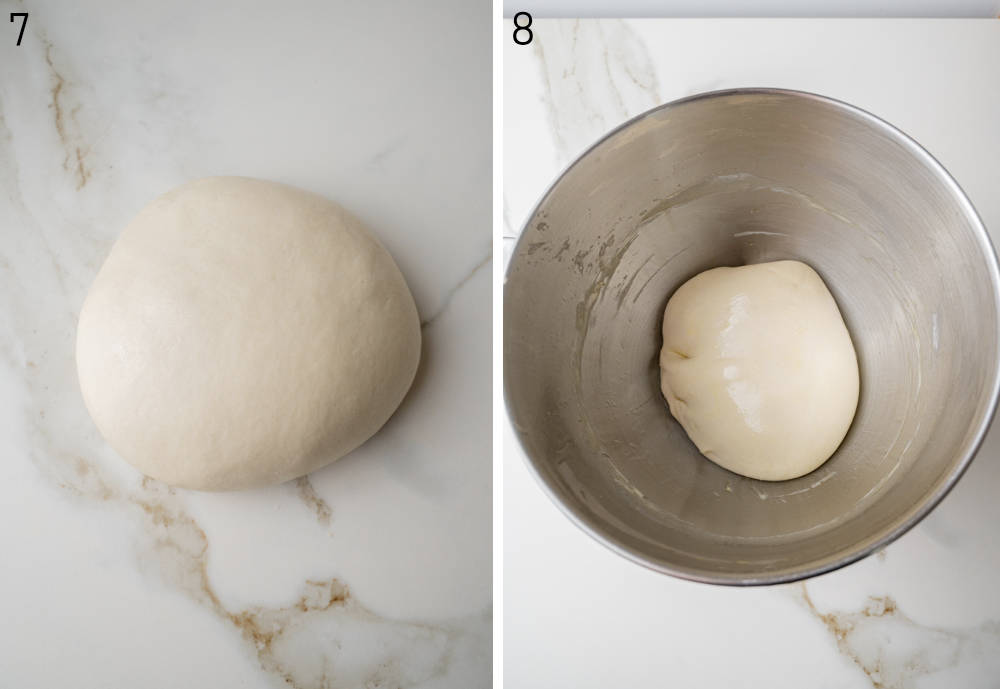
243 333
758 367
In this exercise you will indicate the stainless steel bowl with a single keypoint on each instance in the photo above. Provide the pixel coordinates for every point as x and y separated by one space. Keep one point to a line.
729 178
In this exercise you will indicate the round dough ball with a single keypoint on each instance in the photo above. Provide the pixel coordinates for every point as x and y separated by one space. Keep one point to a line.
758 367
242 333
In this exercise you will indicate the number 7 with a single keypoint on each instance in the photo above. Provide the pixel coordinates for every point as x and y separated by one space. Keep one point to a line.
24 22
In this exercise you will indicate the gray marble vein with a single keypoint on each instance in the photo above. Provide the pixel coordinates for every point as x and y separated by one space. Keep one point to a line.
595 74
428 321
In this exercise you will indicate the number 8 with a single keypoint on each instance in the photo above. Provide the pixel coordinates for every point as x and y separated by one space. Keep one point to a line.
518 28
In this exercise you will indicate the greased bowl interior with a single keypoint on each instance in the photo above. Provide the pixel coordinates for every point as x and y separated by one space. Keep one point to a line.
731 178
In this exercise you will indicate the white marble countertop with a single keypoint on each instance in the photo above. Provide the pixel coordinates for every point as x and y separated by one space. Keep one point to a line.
925 611
374 572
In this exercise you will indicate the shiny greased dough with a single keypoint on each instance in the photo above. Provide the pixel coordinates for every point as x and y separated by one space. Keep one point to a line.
758 367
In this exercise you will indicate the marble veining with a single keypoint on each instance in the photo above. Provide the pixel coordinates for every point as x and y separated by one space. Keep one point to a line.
894 650
67 127
313 501
372 572
923 612
449 295
302 643
569 57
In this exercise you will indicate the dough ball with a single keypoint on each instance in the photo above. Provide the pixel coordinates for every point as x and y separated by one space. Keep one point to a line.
242 333
758 367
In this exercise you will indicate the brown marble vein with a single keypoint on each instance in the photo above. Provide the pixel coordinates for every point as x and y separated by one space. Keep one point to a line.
320 638
19 217
317 505
75 157
315 625
308 643
893 650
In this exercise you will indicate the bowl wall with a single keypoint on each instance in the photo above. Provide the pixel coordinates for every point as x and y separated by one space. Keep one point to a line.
731 178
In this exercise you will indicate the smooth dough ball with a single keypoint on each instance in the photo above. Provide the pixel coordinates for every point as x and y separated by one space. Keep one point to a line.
243 332
758 367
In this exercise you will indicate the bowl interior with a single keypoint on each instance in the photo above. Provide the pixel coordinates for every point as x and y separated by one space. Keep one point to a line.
728 179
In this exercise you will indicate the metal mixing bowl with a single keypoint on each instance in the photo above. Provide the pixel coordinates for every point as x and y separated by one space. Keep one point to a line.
724 179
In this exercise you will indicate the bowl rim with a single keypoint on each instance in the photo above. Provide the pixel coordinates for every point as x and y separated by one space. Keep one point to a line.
899 526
